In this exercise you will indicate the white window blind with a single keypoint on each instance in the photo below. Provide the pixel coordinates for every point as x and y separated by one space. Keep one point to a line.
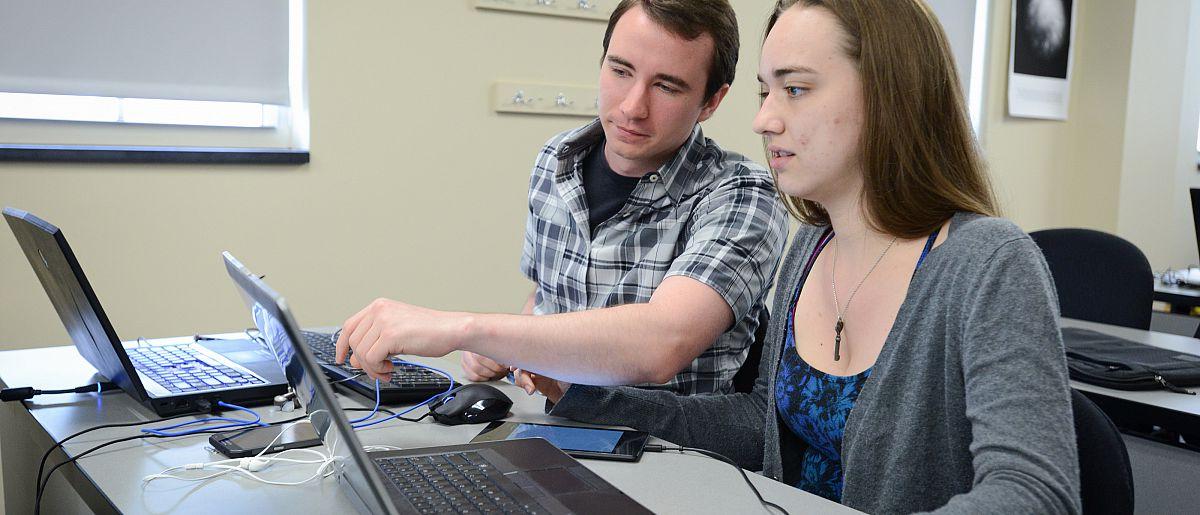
216 50
189 77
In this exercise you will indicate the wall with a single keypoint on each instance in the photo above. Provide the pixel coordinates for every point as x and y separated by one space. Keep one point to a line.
1124 159
1062 173
416 190
1098 112
1160 155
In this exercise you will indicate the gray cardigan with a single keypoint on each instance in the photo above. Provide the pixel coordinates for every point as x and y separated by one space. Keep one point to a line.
967 409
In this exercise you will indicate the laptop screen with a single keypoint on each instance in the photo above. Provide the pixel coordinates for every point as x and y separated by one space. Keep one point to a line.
284 348
1196 215
73 298
275 322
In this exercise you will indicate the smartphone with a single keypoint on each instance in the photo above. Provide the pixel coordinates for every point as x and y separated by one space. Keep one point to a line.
580 442
244 443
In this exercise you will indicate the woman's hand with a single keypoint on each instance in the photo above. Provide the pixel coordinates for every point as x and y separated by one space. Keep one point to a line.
552 388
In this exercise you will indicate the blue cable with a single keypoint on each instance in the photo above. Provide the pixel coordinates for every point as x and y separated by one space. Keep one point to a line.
230 423
422 403
374 410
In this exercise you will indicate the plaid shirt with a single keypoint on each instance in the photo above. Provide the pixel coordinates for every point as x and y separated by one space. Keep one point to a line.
706 214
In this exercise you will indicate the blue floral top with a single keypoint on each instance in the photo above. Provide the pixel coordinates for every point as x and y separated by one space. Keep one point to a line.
814 405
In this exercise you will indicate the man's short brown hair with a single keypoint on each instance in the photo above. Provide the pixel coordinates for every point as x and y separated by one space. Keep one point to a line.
689 19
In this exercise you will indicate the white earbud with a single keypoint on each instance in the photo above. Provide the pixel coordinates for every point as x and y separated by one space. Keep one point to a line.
253 464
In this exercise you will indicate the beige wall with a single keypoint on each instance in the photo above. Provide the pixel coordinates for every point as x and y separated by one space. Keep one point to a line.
416 190
1063 173
1160 157
1125 158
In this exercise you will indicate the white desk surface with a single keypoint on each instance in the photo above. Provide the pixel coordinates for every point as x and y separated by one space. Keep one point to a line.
664 483
1172 289
1185 404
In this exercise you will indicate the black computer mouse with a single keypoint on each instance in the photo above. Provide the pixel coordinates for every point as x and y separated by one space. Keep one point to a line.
471 404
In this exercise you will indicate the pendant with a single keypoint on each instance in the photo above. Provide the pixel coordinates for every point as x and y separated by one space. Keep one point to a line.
837 339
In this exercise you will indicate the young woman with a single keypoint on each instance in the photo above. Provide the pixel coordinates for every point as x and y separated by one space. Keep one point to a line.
913 361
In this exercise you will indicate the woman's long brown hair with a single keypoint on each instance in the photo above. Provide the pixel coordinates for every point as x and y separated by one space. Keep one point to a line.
919 156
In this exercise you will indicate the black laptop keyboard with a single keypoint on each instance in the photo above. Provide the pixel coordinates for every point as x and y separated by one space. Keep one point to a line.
420 382
460 482
181 369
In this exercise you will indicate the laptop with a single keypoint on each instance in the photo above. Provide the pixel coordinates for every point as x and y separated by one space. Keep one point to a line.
408 384
513 476
168 378
1195 192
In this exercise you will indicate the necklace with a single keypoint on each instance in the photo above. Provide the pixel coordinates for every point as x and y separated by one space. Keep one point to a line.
841 311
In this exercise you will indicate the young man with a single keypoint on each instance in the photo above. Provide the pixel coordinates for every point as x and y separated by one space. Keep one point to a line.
651 249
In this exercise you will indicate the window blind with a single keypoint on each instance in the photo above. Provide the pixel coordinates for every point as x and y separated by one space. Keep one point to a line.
220 50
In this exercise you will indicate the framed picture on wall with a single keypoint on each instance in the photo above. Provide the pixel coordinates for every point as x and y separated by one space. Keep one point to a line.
1040 58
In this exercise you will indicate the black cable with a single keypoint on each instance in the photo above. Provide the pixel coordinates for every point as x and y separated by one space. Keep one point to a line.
418 419
766 504
28 392
37 503
42 465
41 484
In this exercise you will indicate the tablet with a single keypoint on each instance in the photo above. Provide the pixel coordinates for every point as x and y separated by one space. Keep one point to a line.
580 442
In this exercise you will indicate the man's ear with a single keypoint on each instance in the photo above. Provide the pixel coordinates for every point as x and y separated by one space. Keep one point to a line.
710 106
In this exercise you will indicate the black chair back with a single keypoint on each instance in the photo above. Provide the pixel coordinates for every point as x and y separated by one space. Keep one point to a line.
1100 277
743 382
1105 477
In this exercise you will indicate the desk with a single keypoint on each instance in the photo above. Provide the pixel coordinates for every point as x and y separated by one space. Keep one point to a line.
1158 407
1181 299
1166 478
109 480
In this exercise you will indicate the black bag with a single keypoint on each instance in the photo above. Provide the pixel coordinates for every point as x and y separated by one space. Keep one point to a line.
1112 362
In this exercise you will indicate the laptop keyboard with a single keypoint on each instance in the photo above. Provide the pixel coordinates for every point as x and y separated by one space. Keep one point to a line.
181 369
460 482
402 376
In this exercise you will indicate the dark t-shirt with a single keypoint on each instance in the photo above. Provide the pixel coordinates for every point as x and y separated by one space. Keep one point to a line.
605 189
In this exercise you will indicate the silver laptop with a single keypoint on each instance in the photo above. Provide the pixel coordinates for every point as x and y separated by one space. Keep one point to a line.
511 476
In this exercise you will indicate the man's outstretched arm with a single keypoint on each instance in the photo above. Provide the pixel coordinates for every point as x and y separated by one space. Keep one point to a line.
482 368
629 344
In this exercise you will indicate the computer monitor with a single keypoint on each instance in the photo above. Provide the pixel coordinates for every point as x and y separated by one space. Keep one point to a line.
1196 215
274 320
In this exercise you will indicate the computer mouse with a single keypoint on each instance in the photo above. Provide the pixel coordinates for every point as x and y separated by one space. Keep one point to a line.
471 404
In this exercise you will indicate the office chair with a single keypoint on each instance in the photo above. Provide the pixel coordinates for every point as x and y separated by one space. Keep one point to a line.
743 381
1105 477
1099 277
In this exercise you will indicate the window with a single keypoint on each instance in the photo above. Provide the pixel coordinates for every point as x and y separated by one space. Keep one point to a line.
196 76
966 26
137 110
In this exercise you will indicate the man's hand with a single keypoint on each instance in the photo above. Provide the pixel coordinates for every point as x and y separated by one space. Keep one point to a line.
552 388
386 327
480 368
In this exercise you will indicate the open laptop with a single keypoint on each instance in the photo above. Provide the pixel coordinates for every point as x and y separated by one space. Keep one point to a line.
512 476
168 378
408 384
1195 192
